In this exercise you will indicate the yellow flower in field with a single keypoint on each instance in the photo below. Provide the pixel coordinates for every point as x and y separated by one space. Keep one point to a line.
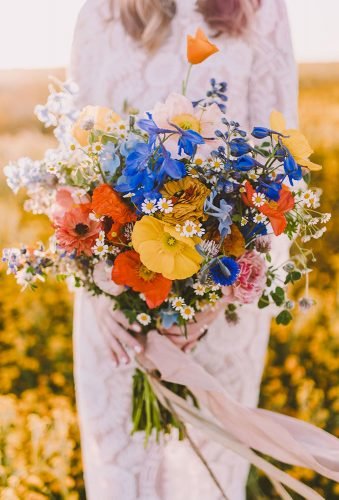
164 251
296 142
93 117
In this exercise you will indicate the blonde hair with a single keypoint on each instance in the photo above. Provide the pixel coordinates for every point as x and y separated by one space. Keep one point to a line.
148 21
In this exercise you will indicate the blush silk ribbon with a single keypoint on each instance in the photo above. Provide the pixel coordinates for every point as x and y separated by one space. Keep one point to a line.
240 428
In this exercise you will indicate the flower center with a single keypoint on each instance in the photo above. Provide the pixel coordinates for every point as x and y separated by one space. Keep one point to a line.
145 273
187 122
273 204
81 229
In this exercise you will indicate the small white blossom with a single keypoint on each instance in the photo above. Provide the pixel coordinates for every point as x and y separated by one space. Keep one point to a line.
199 288
149 206
165 205
326 218
187 312
258 218
243 221
144 319
177 303
258 199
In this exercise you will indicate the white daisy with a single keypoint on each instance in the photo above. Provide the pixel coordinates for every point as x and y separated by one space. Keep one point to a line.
178 303
144 319
213 297
165 205
258 199
199 288
258 218
325 218
100 249
243 221
187 312
95 217
217 166
253 176
149 206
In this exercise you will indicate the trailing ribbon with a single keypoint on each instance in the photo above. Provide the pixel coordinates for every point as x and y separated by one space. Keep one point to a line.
238 427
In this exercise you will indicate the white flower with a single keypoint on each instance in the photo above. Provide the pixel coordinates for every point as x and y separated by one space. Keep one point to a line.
187 312
325 218
243 221
102 277
199 288
144 319
258 199
258 218
217 166
253 176
178 303
100 249
213 297
319 233
190 229
149 206
165 205
95 217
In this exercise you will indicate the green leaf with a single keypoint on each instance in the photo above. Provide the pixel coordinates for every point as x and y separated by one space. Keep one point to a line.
278 296
293 277
264 301
284 318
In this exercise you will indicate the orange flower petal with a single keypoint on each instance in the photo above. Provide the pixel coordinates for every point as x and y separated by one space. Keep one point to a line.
106 201
199 47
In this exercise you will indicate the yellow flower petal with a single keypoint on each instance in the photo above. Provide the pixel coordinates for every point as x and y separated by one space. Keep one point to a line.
304 162
277 121
297 144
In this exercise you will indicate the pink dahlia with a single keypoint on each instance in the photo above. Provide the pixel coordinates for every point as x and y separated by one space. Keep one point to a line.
76 231
251 281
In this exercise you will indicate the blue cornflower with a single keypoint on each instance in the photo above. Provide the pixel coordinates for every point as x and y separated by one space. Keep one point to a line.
292 169
225 272
222 213
109 159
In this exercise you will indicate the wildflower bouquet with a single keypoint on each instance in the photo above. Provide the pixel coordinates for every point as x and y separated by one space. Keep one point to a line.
168 214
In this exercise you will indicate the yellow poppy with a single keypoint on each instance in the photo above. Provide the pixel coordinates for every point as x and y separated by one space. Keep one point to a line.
199 47
164 251
295 142
93 117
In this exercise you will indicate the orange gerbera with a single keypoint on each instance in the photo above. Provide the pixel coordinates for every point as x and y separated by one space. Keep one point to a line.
199 47
128 270
274 210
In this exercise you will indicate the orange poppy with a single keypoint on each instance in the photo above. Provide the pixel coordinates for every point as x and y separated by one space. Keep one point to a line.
106 201
274 210
199 47
128 270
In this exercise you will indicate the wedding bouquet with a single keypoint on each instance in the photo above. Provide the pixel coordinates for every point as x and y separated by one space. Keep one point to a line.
169 214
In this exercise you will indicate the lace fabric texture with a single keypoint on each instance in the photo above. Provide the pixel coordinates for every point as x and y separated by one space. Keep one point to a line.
110 69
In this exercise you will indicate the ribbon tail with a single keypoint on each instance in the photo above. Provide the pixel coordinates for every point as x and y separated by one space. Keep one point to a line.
284 438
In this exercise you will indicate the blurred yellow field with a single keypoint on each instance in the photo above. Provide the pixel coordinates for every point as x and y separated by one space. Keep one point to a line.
39 440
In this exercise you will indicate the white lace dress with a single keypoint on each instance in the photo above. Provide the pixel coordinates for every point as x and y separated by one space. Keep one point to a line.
110 69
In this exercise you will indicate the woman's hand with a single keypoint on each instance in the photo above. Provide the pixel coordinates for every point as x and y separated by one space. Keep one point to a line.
195 330
114 326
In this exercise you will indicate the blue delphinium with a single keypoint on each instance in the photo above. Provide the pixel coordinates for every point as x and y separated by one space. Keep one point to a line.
239 147
292 169
225 271
222 213
174 169
109 159
137 171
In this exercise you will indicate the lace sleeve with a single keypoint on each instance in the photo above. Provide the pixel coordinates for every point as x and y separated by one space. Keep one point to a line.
274 82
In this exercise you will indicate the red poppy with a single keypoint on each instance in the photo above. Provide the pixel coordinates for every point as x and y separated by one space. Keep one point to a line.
274 210
128 270
106 201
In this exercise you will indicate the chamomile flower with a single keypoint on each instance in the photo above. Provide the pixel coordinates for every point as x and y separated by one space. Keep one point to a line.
100 249
198 161
97 147
188 229
326 218
177 303
258 199
213 297
165 205
149 206
243 221
95 218
144 319
217 165
253 176
187 312
259 218
199 288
